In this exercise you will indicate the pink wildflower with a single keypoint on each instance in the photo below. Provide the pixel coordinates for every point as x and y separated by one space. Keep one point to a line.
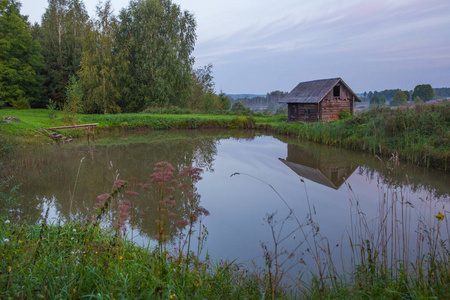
119 183
132 193
201 210
103 197
181 223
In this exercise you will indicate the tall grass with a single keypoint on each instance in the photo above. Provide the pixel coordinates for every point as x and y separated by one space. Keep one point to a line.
400 253
418 135
77 260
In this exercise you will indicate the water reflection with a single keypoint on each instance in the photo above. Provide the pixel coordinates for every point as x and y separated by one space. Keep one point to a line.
68 178
327 168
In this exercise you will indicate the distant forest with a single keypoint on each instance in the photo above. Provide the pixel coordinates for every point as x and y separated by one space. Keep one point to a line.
389 94
269 102
441 93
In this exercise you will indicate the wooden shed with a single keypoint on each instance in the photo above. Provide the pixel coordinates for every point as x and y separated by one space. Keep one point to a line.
319 100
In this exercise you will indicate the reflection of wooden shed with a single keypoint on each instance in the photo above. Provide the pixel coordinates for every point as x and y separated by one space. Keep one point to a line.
319 100
331 171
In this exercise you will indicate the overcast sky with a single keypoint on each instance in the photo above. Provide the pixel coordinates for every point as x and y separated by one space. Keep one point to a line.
258 46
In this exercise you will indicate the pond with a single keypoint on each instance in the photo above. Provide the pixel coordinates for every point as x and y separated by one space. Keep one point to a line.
314 203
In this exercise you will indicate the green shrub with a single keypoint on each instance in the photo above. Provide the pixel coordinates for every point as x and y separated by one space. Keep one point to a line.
345 114
21 103
51 109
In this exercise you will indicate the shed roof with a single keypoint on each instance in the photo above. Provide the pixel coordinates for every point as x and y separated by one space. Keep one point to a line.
313 91
310 173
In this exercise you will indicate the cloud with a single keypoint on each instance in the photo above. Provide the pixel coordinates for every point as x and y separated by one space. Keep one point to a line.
361 26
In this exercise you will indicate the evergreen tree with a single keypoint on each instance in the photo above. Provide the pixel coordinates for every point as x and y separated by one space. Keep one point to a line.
61 34
20 57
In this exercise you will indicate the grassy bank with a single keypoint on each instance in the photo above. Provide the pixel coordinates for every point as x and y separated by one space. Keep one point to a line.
76 261
417 135
28 129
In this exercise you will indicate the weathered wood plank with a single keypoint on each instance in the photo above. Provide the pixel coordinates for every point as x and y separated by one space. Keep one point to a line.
74 126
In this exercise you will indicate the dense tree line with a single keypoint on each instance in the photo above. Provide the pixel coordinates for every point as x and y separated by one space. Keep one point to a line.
21 60
442 93
140 58
396 97
387 94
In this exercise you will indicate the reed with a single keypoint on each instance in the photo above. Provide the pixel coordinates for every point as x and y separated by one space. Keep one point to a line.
417 135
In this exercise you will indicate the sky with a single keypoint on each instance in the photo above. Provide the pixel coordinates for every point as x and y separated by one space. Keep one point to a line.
259 46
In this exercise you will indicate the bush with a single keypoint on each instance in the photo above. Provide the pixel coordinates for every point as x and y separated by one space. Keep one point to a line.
21 103
345 114
239 109
51 109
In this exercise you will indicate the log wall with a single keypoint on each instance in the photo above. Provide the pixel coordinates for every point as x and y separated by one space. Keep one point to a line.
331 109
303 112
328 109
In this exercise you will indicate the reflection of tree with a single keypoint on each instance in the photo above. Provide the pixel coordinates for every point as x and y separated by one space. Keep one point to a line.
50 173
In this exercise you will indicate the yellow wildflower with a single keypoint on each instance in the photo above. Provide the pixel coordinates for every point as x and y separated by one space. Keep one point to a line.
440 216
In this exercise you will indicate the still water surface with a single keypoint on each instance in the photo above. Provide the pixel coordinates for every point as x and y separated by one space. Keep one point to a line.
277 174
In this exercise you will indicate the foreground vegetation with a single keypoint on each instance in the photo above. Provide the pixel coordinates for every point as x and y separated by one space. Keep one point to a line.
390 258
74 261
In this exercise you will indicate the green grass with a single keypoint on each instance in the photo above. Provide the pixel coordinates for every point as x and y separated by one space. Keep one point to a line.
75 261
28 129
419 136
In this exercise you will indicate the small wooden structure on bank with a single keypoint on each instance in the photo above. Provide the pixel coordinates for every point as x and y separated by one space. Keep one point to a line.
319 100
89 128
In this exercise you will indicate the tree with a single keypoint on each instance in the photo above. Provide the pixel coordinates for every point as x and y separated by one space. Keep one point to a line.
239 108
400 98
424 91
417 100
61 35
382 101
202 85
20 57
224 101
100 64
74 95
374 100
157 39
